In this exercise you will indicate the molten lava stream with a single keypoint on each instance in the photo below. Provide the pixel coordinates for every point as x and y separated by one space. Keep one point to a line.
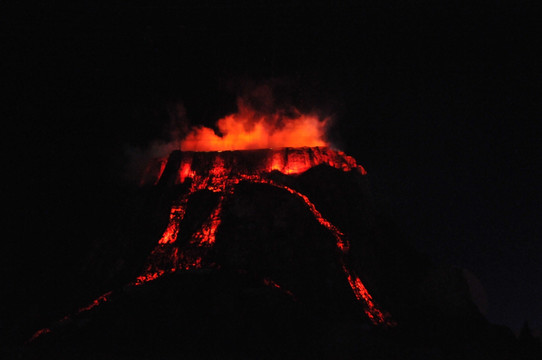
342 242
376 315
207 235
190 257
176 215
371 309
220 180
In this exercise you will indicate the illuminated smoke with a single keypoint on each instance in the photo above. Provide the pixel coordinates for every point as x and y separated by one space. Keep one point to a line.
252 129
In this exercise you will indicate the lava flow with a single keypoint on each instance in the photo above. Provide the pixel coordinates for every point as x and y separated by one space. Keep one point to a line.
220 172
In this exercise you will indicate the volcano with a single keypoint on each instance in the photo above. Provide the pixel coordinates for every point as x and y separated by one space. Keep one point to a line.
221 173
267 253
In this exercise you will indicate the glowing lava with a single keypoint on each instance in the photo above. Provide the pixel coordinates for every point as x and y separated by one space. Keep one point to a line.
219 172
175 217
210 169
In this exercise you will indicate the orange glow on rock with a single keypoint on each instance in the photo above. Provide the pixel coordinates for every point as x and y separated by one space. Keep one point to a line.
220 172
207 235
185 170
175 217
250 129
342 242
372 311
213 168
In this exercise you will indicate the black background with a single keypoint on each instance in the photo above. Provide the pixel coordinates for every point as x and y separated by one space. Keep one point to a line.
439 102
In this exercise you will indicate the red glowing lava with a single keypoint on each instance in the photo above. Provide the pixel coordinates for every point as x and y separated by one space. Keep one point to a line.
219 172
209 171
373 312
175 217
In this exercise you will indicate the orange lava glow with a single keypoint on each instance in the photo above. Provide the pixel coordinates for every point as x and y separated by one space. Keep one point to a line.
342 243
185 170
175 216
291 161
220 172
221 175
372 311
249 129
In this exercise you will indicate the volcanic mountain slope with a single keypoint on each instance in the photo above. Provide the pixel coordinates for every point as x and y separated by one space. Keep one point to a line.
267 254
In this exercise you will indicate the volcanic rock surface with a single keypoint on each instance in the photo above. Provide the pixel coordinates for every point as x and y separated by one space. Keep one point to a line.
266 254
244 162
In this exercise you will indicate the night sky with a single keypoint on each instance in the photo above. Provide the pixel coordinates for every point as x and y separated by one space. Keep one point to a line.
440 104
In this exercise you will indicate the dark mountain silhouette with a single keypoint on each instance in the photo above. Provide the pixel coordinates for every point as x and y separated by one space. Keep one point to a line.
265 254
